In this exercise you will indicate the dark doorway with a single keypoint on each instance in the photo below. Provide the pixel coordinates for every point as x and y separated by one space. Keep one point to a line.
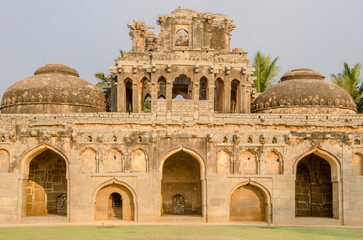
313 188
116 206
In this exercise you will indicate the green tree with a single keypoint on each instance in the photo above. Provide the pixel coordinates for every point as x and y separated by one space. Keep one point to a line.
265 70
122 54
103 80
350 80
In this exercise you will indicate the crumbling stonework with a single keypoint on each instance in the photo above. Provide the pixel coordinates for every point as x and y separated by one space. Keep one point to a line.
181 139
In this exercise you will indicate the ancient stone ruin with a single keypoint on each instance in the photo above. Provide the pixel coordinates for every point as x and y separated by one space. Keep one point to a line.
180 135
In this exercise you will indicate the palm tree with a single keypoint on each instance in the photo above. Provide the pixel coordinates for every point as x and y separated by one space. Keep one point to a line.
350 80
122 54
265 70
103 80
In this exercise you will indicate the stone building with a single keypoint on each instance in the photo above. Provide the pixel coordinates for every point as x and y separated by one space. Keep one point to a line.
186 139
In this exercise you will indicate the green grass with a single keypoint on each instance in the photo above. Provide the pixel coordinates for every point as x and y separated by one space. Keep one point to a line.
178 232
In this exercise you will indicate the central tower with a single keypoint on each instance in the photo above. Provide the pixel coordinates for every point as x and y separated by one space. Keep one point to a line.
187 67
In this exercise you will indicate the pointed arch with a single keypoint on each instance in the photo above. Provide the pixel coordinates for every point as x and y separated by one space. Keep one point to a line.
114 160
189 151
330 158
128 95
266 194
274 162
224 161
333 172
182 85
27 157
161 87
139 160
144 92
4 161
248 162
235 96
203 88
88 159
357 164
42 168
114 183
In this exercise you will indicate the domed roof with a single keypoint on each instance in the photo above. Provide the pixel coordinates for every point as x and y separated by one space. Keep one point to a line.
54 88
304 91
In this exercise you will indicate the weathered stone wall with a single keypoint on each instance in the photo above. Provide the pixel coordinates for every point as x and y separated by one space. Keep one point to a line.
115 137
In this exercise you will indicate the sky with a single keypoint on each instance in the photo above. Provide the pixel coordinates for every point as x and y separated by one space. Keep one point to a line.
87 34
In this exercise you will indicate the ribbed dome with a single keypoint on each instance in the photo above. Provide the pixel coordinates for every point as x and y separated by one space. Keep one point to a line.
304 91
54 88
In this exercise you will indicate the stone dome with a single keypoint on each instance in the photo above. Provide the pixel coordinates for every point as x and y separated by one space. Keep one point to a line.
304 91
54 88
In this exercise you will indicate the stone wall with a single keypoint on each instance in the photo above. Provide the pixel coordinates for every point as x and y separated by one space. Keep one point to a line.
115 137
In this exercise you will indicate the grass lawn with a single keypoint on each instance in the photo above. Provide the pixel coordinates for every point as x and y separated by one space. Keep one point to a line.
178 232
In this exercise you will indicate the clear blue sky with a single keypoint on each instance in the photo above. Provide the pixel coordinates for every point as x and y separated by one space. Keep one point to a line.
87 34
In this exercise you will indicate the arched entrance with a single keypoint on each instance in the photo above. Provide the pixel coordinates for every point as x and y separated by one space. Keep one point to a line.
181 188
313 187
115 206
114 202
46 185
248 203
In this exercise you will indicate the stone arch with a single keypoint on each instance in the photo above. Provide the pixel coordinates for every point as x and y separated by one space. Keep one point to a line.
100 198
357 164
330 158
26 159
333 173
88 159
161 88
253 195
181 185
144 92
203 88
248 162
139 160
128 92
224 161
114 161
44 171
274 162
182 85
4 161
189 151
235 96
182 38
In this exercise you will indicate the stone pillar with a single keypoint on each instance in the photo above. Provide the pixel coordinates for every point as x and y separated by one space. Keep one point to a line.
135 97
120 94
204 200
243 98
248 99
227 95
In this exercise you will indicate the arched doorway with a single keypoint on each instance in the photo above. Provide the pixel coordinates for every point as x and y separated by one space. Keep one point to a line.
248 203
219 95
313 187
128 95
181 189
46 186
182 86
115 206
114 202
